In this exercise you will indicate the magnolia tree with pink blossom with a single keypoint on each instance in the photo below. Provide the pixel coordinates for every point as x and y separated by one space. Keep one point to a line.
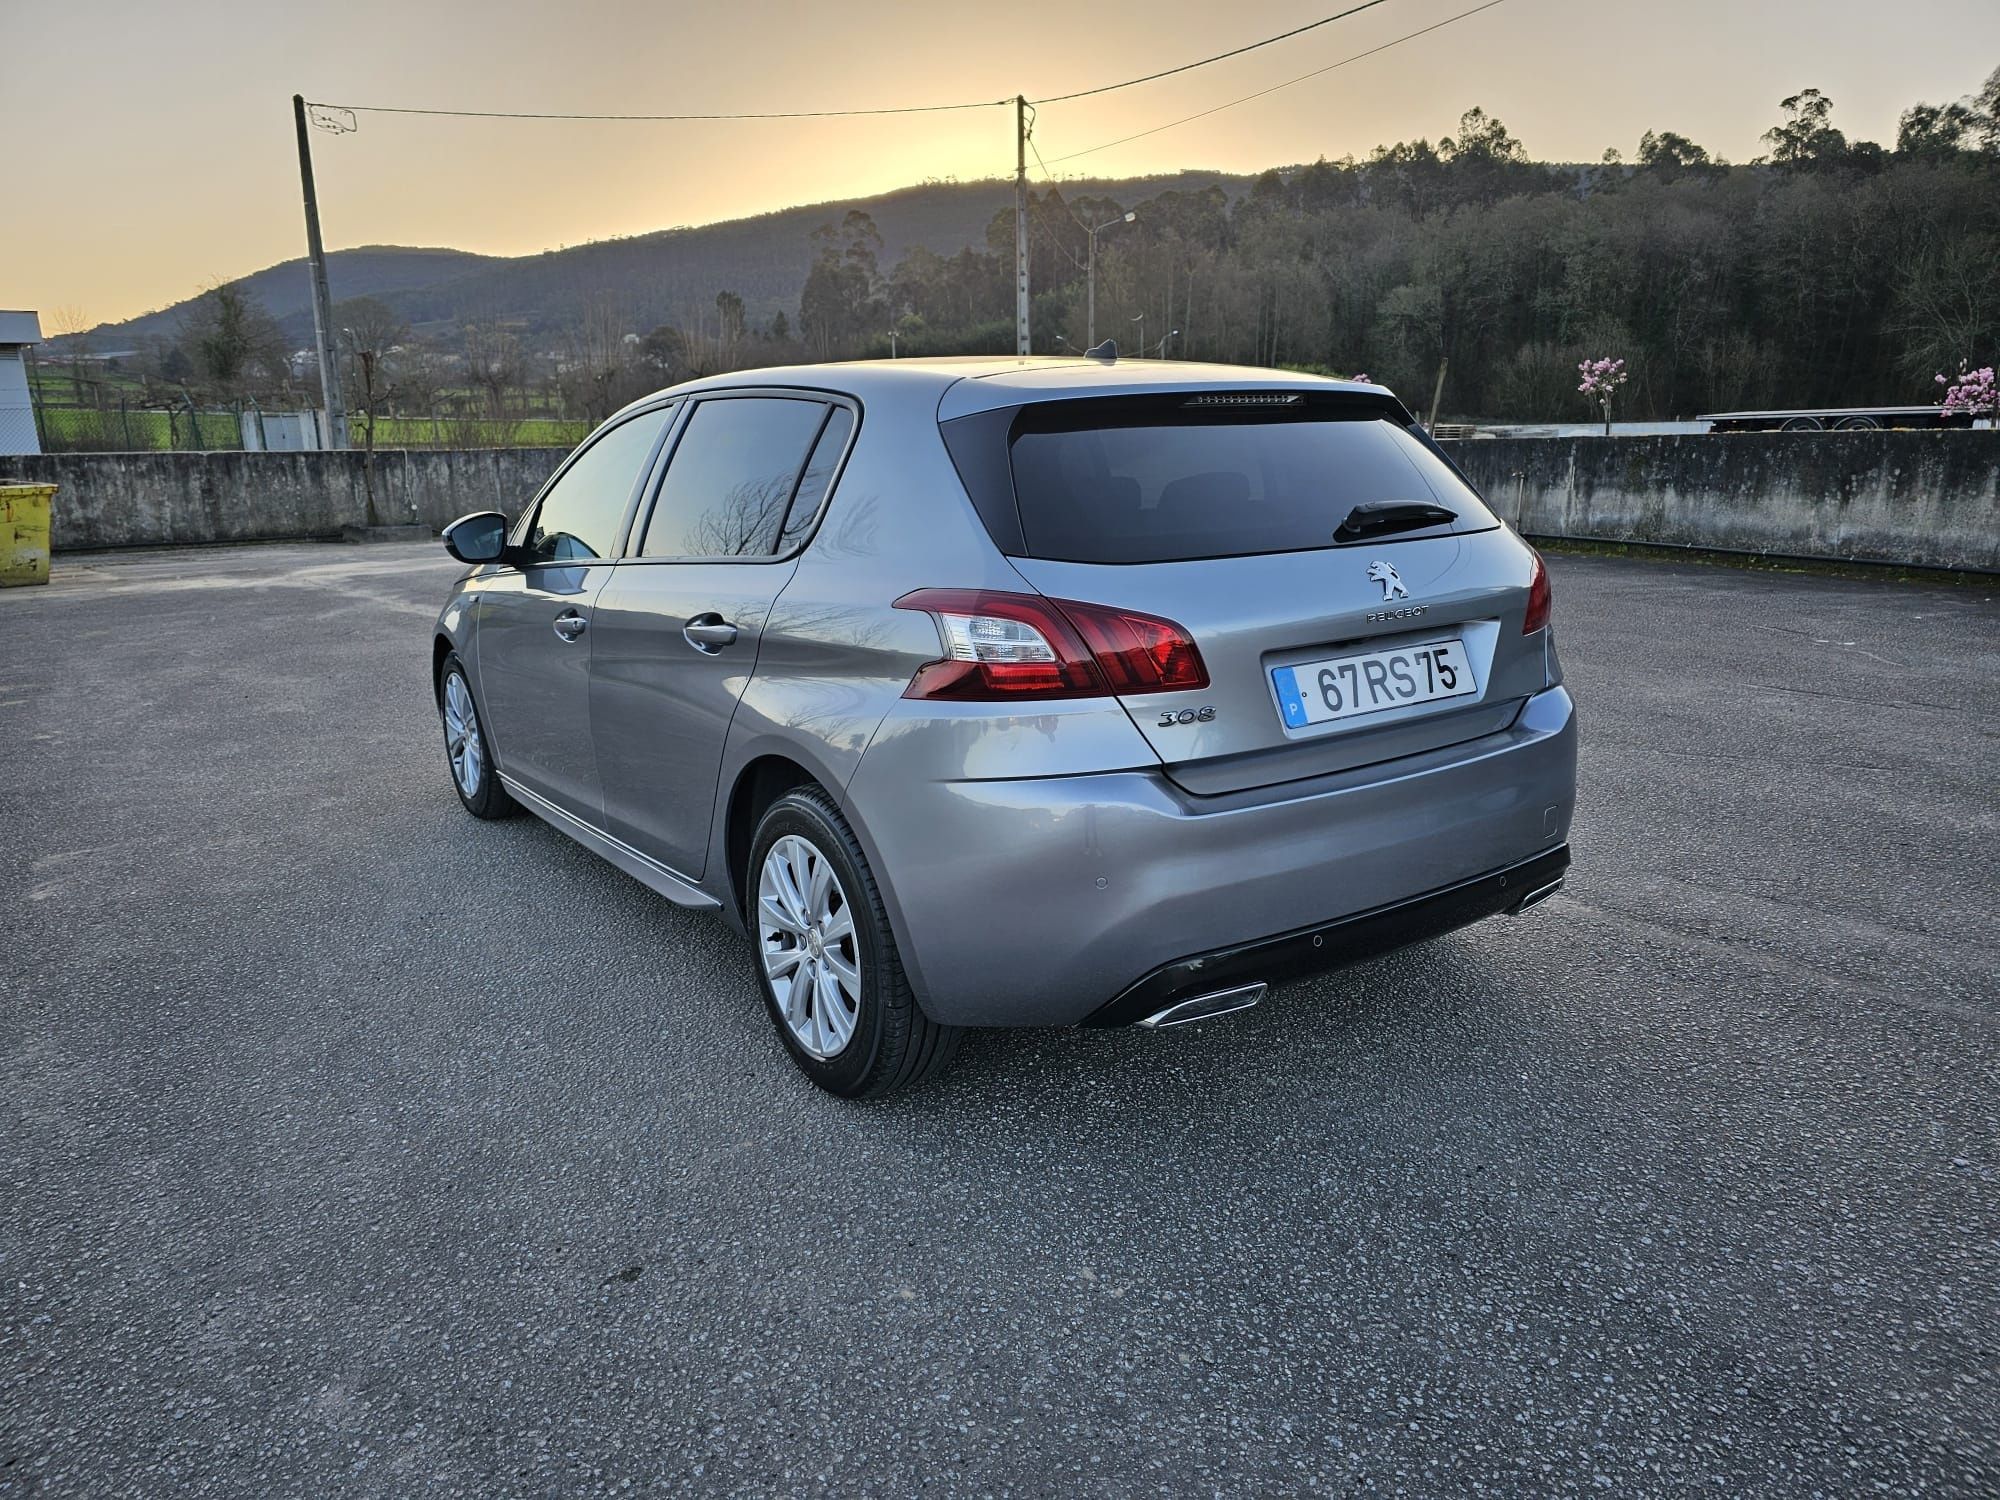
1972 393
1601 377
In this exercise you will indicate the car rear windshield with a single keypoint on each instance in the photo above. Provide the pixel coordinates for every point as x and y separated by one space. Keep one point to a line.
1170 481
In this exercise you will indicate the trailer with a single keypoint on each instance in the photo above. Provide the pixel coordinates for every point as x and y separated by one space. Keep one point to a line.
1835 419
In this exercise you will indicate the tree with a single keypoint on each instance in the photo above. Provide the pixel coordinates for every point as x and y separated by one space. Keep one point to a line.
1947 298
663 352
1985 111
368 326
729 314
234 343
600 371
1933 132
1481 138
369 336
1601 379
1807 141
838 306
70 324
1973 393
1670 155
421 377
495 364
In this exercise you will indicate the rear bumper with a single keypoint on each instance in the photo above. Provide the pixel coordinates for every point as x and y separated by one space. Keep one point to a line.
1336 944
1035 901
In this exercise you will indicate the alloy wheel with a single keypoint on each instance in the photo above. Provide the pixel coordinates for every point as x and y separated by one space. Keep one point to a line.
461 736
806 938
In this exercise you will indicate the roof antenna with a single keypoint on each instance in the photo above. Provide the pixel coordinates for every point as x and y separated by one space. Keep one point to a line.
1106 351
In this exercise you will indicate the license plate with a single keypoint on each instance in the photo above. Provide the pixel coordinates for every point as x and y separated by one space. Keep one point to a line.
1345 687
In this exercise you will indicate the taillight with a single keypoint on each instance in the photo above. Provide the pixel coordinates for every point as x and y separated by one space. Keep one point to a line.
1137 653
1540 598
1000 646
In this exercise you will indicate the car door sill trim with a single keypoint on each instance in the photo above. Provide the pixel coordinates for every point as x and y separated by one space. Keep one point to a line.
643 868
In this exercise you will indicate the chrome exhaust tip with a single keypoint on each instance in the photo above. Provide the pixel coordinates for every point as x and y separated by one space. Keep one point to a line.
1207 1007
1536 897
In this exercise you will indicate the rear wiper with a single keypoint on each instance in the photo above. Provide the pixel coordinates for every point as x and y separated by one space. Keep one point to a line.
1380 517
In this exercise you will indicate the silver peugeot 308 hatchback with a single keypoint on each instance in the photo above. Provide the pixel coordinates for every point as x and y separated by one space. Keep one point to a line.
1019 692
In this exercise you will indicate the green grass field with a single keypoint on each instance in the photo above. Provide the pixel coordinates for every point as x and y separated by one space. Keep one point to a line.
460 432
80 430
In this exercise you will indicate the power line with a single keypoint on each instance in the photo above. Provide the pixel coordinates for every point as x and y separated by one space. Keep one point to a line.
1046 233
816 114
1219 57
1274 88
788 114
1036 229
1068 207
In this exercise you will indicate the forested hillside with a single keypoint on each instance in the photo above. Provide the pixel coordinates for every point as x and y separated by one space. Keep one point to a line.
1827 271
654 277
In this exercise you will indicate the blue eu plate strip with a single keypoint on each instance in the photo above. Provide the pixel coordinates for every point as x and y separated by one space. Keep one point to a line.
1287 683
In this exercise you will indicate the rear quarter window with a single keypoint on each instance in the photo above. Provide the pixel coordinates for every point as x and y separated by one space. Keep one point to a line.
1160 481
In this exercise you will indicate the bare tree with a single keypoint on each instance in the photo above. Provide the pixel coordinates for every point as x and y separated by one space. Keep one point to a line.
422 372
601 369
495 364
234 343
73 327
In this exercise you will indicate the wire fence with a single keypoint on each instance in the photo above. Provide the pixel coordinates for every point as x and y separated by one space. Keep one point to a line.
121 427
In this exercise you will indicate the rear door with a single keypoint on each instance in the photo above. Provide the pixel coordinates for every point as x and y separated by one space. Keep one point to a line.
676 631
1352 598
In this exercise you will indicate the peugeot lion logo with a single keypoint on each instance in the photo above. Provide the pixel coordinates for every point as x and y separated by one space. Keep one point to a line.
1392 585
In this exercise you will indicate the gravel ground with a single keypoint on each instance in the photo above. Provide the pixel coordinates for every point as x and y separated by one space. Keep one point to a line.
352 1146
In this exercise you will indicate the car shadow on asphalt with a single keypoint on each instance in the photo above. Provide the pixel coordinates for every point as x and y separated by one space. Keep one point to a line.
1438 1014
1415 1005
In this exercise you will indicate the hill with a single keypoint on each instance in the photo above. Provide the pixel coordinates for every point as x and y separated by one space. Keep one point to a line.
285 290
653 278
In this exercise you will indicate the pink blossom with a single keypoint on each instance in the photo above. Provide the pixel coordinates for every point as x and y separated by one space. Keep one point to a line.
1974 393
1601 377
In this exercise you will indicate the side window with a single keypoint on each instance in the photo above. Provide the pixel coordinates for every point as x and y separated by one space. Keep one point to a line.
731 477
818 475
578 518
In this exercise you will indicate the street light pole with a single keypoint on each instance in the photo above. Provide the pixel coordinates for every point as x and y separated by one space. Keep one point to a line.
1090 280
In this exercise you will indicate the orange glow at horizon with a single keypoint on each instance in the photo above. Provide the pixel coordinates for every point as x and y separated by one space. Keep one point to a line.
174 164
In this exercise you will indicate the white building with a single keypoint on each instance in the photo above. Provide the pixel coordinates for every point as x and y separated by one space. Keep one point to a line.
17 409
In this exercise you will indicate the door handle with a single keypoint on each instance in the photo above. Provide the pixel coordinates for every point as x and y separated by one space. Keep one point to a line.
569 625
709 633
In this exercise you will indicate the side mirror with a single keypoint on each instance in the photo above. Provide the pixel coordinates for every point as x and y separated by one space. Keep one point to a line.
478 538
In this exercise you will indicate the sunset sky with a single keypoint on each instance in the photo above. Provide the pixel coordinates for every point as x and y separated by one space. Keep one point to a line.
150 151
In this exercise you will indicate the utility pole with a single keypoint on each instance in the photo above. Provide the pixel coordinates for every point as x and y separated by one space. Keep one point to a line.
329 364
1021 224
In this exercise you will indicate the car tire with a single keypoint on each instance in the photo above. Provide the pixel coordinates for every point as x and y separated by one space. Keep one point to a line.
472 777
870 1038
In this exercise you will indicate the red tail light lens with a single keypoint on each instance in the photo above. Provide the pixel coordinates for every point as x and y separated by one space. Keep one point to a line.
1001 646
1137 653
1540 599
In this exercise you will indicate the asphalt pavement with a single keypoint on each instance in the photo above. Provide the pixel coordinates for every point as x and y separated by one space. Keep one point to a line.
351 1146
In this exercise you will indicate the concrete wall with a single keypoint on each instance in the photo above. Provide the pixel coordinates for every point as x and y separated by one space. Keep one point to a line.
1927 498
1924 498
159 499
